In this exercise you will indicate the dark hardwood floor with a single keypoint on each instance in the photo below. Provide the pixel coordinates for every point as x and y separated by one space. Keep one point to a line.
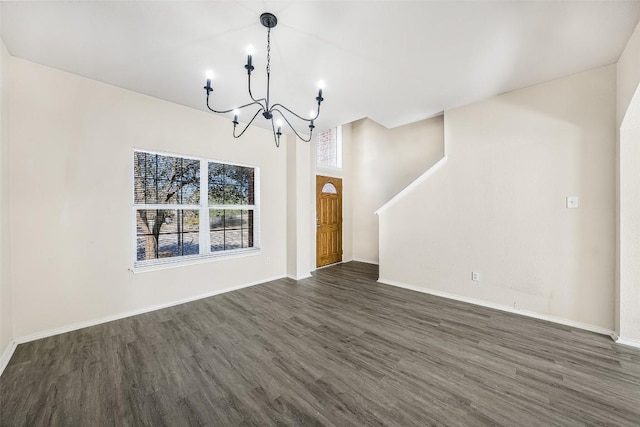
337 349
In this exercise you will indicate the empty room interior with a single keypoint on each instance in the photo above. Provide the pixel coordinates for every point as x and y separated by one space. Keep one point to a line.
337 213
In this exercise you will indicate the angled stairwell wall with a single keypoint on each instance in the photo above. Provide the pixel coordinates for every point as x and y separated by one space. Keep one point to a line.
497 206
384 162
628 195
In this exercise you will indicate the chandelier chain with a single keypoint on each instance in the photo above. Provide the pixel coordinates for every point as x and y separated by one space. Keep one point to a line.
269 51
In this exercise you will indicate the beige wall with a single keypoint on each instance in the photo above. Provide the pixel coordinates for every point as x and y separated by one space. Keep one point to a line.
299 223
292 206
628 192
71 206
384 161
6 307
497 206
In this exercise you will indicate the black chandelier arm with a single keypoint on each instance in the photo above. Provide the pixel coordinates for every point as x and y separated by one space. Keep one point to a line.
248 124
217 111
274 107
317 112
276 136
236 108
251 94
291 126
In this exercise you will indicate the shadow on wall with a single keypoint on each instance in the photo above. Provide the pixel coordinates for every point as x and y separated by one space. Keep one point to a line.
385 161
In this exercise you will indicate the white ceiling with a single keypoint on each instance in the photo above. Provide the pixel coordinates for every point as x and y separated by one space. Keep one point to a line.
395 62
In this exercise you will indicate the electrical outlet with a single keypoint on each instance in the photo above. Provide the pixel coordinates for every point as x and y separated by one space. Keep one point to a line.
268 260
475 276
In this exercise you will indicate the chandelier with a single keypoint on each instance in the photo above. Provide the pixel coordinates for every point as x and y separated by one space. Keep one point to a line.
269 111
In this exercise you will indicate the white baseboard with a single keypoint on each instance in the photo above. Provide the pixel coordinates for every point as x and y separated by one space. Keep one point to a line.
366 261
80 325
533 314
627 341
6 356
344 261
290 276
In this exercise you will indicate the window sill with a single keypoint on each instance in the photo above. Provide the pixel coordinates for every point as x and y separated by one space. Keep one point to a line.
163 264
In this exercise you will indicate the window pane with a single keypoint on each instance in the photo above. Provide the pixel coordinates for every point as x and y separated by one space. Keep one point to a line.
233 239
245 239
217 241
165 179
216 219
233 219
216 183
230 184
166 233
329 188
327 148
230 229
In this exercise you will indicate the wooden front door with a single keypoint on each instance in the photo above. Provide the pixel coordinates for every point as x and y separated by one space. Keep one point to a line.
329 220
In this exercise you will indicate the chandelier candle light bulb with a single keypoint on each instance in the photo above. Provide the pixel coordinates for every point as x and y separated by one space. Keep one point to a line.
249 66
264 105
209 75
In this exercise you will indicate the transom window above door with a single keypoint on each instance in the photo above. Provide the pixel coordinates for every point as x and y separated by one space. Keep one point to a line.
329 148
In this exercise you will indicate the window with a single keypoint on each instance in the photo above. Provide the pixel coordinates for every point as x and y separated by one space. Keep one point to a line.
188 208
329 188
329 148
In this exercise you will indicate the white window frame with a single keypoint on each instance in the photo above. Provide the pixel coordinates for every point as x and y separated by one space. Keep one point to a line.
204 243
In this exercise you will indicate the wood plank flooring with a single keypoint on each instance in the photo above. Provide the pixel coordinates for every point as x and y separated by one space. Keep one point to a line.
336 349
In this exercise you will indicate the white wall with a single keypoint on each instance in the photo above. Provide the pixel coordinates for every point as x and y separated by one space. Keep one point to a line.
6 307
71 206
497 206
628 192
292 208
385 161
299 224
347 192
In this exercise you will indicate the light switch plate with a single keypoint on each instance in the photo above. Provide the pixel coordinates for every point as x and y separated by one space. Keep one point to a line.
572 202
